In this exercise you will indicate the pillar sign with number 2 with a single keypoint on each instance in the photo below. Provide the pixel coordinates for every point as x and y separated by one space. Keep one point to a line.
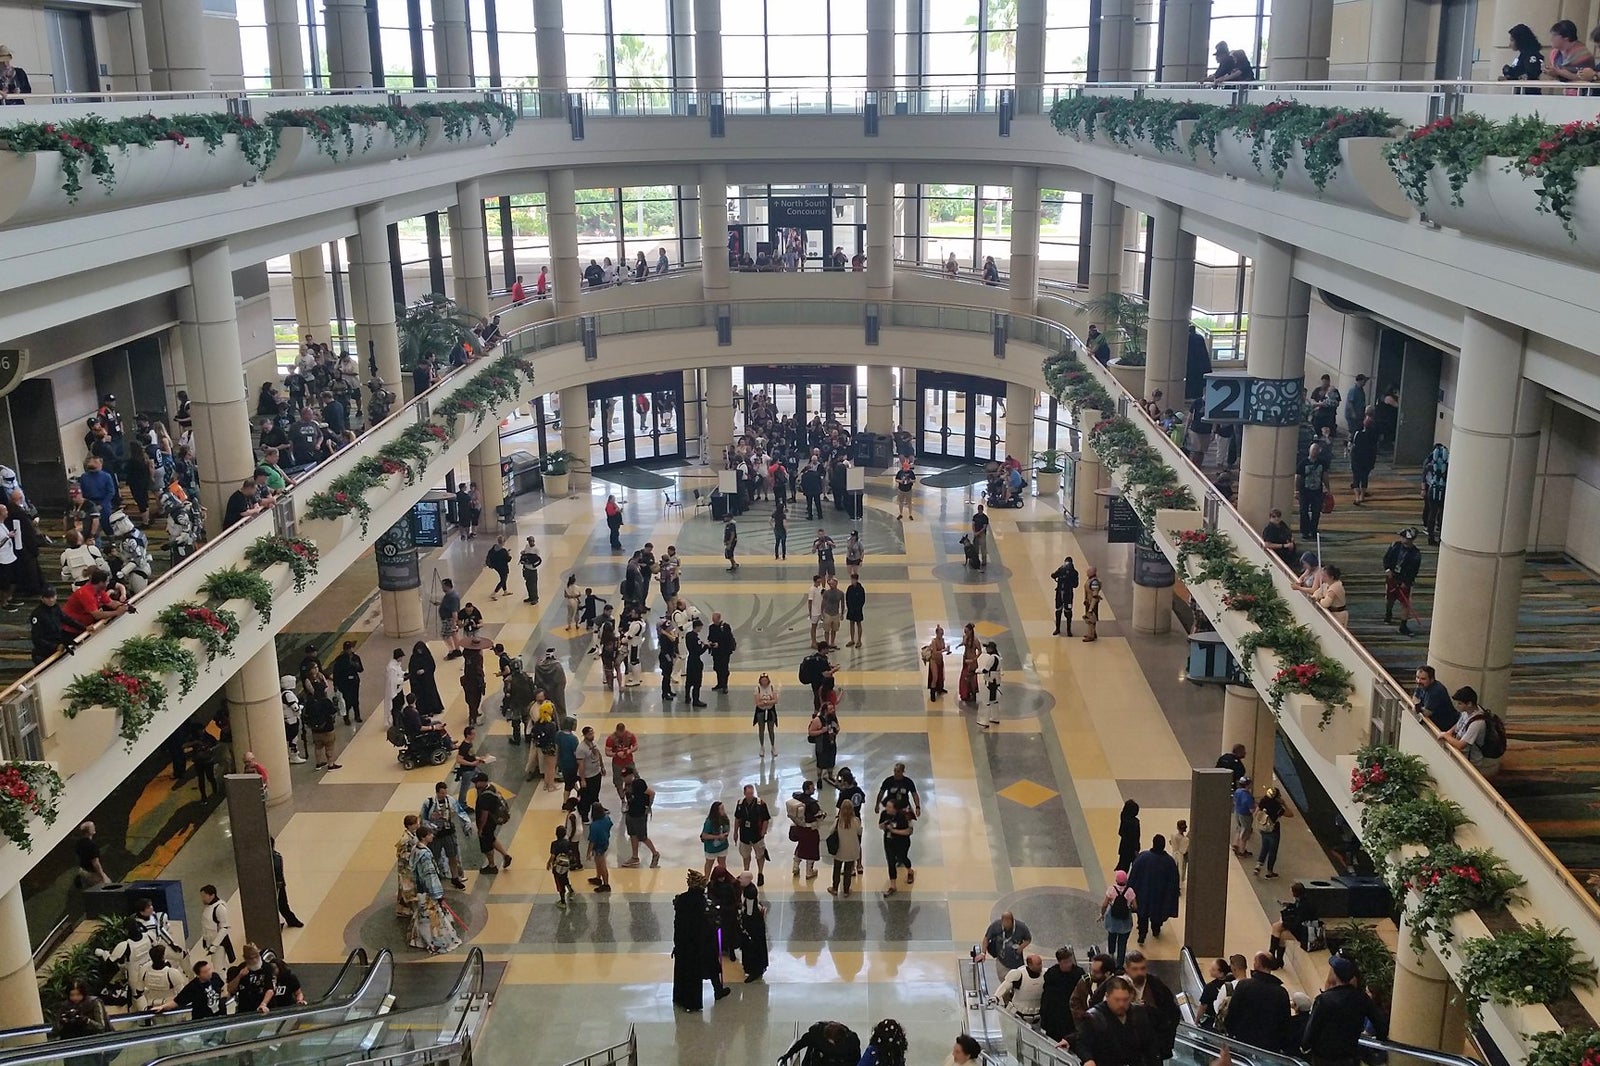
1235 397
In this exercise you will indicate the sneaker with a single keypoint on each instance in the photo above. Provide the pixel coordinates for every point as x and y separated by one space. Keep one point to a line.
723 993
459 883
489 870
761 880
596 881
297 759
602 888
335 766
562 902
507 862
655 861
628 864
811 875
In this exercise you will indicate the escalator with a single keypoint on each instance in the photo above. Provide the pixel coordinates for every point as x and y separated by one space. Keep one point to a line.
360 992
440 1034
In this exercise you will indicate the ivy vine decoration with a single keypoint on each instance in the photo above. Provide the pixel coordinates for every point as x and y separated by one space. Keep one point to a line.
1523 966
300 554
347 493
1362 944
1324 679
214 627
135 697
1424 820
158 656
1567 1047
1385 774
1449 881
459 117
235 584
1458 145
28 790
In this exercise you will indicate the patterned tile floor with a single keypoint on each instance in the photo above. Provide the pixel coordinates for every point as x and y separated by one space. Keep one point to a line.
1022 816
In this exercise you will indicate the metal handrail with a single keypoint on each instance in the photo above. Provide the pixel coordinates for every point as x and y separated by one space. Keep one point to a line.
624 1051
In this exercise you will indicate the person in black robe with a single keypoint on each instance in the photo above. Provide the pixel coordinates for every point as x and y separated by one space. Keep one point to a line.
752 929
724 895
423 686
1128 835
694 947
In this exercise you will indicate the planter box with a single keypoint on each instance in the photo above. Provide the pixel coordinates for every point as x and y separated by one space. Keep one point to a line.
1363 179
1048 482
1503 207
557 484
30 185
299 153
1129 377
436 141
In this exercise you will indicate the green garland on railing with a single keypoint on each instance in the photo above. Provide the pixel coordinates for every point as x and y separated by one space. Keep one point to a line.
1149 484
1425 821
90 141
214 627
160 655
347 493
235 584
459 117
1526 966
342 124
300 554
1448 881
135 696
1385 774
406 456
1567 1047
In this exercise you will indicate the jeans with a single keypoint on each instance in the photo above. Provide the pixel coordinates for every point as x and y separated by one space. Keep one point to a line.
1117 947
530 579
845 871
1310 512
1268 855
780 544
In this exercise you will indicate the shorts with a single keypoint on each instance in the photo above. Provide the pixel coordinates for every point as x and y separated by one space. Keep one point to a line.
757 850
637 826
486 841
616 774
448 627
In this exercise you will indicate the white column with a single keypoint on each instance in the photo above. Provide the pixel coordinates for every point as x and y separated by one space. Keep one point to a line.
575 434
550 51
682 45
1171 306
880 399
719 413
468 250
714 236
214 376
19 983
483 469
708 46
880 53
1030 56
561 211
1105 240
880 231
1247 720
1494 448
1185 48
285 60
1087 504
1302 34
256 717
174 39
1420 996
1024 267
916 45
1116 40
452 49
372 295
1019 423
691 409
905 415
349 48
1279 306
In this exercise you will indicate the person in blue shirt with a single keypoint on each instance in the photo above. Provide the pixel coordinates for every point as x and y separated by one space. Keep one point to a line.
1432 699
567 755
99 488
599 844
1244 805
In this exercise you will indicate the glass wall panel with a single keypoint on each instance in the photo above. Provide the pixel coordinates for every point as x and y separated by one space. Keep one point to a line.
1060 235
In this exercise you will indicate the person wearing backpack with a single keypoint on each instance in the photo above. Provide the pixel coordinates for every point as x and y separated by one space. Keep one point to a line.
492 812
1479 733
1310 480
1117 909
817 671
320 715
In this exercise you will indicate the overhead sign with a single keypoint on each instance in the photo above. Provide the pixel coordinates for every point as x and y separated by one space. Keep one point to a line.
1235 397
1151 569
428 532
799 210
1123 525
13 365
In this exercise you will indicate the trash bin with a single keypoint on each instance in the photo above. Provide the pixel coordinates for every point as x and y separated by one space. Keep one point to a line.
526 472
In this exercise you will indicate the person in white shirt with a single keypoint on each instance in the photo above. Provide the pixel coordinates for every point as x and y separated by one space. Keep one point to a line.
632 641
989 671
1178 845
814 605
394 683
216 932
159 981
1023 989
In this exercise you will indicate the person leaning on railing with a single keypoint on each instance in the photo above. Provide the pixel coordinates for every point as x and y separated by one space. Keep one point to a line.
89 603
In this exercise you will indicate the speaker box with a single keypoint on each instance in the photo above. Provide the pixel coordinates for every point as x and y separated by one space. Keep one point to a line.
882 451
1368 896
1327 899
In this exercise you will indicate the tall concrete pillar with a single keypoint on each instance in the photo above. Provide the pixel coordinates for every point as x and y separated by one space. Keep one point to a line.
1279 306
483 470
372 296
682 14
906 410
285 61
1358 354
1421 993
174 32
880 399
1019 423
256 717
214 376
575 434
468 250
916 45
313 295
1116 40
1171 306
452 47
1495 445
708 46
349 46
1302 34
719 413
1088 505
561 213
19 983
550 51
714 232
1030 56
1024 274
880 231
880 55
1247 720
1185 44
1105 240
1205 909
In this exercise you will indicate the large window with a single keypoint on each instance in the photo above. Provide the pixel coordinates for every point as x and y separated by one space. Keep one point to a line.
933 222
1060 235
1243 24
1066 41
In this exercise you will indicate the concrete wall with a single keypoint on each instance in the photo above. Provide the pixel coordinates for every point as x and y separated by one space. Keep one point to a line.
76 400
118 43
1566 514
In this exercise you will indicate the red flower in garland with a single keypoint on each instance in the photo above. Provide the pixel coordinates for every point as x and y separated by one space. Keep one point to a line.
341 497
392 467
298 548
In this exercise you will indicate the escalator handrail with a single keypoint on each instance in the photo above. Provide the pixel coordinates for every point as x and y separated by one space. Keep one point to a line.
469 980
381 968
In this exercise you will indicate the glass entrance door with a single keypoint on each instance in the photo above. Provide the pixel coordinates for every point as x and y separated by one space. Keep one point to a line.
635 420
961 417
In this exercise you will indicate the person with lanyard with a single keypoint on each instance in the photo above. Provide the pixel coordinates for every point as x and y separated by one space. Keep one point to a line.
203 997
251 985
900 790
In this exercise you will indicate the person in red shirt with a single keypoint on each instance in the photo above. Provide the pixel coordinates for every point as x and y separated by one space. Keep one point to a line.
542 284
88 604
621 745
518 293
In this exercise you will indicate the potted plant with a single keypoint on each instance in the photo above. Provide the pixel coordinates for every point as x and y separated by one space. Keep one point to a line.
1130 318
434 325
557 467
1047 471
